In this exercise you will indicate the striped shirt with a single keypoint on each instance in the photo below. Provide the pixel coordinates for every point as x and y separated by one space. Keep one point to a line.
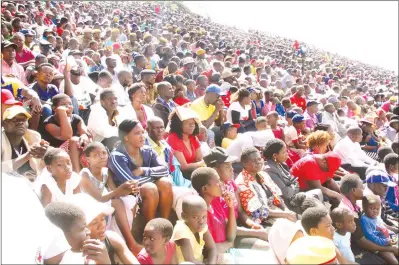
122 166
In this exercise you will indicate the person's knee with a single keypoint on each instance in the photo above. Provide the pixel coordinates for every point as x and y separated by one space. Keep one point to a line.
149 190
164 185
46 110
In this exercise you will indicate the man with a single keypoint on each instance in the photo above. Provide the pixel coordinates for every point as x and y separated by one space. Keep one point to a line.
298 98
164 104
139 65
353 158
188 67
23 55
217 67
148 79
125 79
167 54
202 63
110 62
104 119
73 44
22 149
8 64
390 131
132 45
310 114
202 84
288 77
85 39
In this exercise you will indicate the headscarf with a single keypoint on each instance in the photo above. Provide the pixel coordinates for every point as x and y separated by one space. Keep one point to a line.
280 237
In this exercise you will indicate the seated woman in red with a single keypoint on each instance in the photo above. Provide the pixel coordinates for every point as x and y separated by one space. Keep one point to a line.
316 171
183 128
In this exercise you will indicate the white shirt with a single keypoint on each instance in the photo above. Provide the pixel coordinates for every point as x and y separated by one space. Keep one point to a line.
128 112
352 154
343 243
334 122
82 91
123 96
98 124
244 112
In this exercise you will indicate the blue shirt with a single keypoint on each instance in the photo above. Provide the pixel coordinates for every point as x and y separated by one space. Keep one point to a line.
390 198
169 105
122 166
372 228
46 95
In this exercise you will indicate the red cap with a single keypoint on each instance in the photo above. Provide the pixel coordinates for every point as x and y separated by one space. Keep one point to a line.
8 98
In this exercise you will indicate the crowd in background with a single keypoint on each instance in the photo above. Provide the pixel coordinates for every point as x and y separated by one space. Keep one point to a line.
151 135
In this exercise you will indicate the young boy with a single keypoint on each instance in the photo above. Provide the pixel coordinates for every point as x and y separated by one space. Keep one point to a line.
261 123
344 223
230 133
203 138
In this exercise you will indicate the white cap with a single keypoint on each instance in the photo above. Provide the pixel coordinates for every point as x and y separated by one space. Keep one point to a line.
90 206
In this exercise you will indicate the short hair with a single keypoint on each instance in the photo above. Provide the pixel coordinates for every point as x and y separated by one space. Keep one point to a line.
338 214
260 119
189 81
57 98
370 199
246 153
200 77
354 130
301 202
391 160
40 67
395 146
106 92
162 225
92 146
123 72
51 154
64 214
125 127
104 74
19 34
138 57
154 119
201 176
318 138
273 146
162 85
312 217
171 79
383 151
349 182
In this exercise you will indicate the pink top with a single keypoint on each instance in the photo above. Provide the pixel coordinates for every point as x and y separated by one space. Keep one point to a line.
177 144
386 106
26 56
144 258
217 220
15 69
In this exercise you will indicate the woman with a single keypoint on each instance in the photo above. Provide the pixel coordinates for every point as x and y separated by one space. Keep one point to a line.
281 236
257 100
370 142
260 197
61 26
275 155
316 171
137 110
334 137
318 142
239 111
183 129
131 160
148 52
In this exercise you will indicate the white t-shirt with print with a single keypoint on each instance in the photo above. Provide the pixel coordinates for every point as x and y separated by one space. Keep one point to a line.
244 112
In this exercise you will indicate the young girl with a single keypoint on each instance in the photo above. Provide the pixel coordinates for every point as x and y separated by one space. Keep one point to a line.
374 228
370 142
272 118
344 223
66 130
94 181
257 101
58 181
158 249
191 234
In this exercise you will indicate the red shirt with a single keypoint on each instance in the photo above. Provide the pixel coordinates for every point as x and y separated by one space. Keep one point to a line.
159 77
217 220
306 169
144 258
60 31
226 99
208 74
181 101
178 145
26 56
300 101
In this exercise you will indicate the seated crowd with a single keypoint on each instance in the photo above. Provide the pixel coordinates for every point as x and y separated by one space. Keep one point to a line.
152 135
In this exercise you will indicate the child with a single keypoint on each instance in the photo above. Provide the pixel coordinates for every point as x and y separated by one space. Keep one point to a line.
230 133
158 249
59 181
261 123
272 118
374 228
191 234
72 221
344 223
94 181
317 222
190 84
66 130
292 139
203 138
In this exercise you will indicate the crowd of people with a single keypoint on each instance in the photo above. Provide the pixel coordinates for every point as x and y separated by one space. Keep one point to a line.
152 135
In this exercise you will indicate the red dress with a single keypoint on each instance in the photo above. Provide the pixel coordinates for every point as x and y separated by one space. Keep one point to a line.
177 144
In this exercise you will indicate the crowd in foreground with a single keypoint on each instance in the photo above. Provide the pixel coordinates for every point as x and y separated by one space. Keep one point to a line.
152 135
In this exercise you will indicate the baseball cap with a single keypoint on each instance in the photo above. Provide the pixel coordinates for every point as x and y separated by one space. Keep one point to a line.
215 89
291 114
90 206
147 72
311 250
298 118
379 176
311 103
6 44
14 111
27 32
333 100
218 155
227 125
8 98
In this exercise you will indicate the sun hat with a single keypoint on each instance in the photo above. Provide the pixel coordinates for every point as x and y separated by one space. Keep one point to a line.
311 250
13 111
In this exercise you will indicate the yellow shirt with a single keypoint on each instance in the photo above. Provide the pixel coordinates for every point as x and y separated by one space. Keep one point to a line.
159 149
182 231
226 142
202 109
